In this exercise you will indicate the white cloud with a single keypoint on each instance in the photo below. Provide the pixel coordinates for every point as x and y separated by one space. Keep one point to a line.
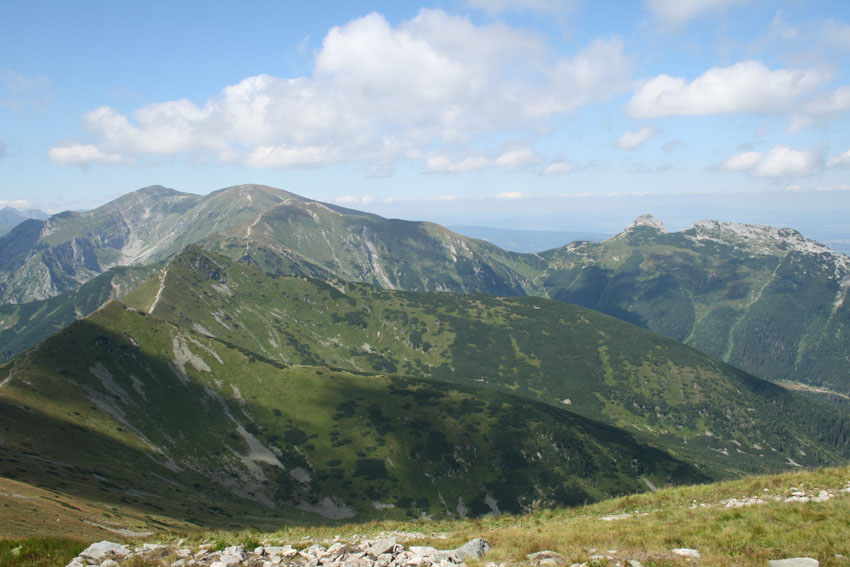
80 154
748 86
378 94
558 168
631 140
821 108
16 204
511 195
2 148
289 156
840 161
742 162
515 158
358 200
780 161
677 12
444 164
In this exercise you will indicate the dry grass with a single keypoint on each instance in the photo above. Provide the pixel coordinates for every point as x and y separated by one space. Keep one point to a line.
654 524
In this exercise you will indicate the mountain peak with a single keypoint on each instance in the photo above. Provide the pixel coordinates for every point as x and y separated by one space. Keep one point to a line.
760 236
644 220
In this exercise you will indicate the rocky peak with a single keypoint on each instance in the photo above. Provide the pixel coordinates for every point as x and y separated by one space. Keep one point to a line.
756 235
644 220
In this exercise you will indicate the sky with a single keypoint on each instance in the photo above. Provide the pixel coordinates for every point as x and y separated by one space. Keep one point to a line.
561 114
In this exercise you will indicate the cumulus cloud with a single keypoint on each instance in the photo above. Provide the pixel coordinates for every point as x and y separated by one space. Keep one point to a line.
677 12
515 158
824 107
378 94
86 154
840 161
631 140
780 161
748 86
558 168
355 200
510 195
742 162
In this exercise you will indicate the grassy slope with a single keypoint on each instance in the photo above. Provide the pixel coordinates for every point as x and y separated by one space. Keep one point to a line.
26 324
667 393
649 526
753 303
193 425
760 306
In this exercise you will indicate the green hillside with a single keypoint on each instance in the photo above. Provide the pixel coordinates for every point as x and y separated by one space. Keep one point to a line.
765 300
565 356
128 408
23 325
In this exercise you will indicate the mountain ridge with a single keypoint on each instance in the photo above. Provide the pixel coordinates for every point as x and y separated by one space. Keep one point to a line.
718 286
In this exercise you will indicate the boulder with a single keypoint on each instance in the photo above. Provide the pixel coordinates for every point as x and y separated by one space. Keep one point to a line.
381 546
433 555
473 549
686 552
103 550
794 562
545 559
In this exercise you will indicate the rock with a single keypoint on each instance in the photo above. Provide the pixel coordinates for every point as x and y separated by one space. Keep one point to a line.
686 552
109 563
283 551
104 549
314 550
75 563
794 562
381 546
232 556
634 563
545 558
473 549
422 553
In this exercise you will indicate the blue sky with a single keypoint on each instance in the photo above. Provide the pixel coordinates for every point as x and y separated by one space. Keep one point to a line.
526 113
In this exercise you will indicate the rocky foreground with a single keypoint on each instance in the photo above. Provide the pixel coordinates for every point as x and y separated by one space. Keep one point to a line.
380 552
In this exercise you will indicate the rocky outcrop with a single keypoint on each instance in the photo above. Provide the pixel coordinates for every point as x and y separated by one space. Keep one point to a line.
380 552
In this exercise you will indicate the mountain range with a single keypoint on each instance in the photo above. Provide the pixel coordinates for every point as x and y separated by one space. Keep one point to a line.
215 388
767 300
253 354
